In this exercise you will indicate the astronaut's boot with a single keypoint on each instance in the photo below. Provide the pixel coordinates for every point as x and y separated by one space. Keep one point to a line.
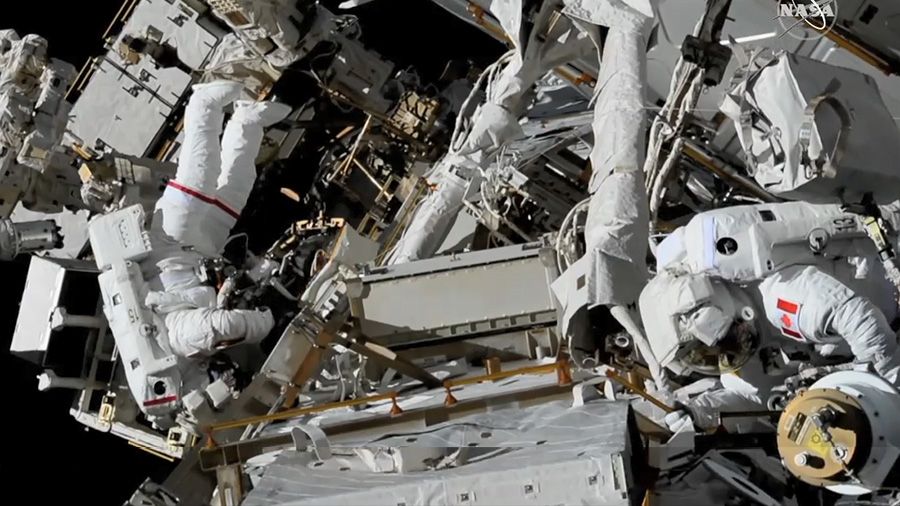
264 114
217 94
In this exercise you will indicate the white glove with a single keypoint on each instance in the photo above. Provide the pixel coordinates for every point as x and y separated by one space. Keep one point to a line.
678 421
663 393
826 350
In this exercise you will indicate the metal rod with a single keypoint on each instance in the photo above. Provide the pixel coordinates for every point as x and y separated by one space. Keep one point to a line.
749 414
74 84
240 451
151 451
615 376
387 357
535 369
725 172
116 19
345 164
869 55
369 175
293 413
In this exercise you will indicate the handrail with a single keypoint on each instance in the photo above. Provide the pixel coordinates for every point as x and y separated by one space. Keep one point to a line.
534 369
119 16
561 367
292 413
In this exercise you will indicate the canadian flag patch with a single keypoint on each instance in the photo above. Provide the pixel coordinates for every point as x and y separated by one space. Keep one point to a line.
789 311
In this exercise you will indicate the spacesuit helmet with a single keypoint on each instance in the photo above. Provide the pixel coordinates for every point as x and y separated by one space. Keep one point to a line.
697 323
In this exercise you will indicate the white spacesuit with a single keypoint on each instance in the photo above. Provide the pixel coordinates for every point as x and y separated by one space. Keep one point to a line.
755 282
195 215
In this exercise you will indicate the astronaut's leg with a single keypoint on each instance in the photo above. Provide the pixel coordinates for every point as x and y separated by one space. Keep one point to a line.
185 210
240 147
199 162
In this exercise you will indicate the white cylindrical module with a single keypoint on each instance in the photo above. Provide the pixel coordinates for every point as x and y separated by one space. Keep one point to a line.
842 434
27 237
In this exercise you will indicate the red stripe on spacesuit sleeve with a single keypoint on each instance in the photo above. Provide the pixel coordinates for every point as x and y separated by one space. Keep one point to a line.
205 198
792 333
161 400
787 307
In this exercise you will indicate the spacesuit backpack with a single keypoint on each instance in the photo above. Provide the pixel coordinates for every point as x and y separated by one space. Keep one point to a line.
799 122
119 241
745 244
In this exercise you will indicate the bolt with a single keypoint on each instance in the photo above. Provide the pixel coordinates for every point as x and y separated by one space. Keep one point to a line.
840 452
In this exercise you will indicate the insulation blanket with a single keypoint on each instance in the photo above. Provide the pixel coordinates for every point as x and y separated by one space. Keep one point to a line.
547 454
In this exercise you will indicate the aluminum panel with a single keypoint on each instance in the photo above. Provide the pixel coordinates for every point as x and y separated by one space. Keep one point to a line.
174 24
39 299
114 109
126 106
453 302
42 293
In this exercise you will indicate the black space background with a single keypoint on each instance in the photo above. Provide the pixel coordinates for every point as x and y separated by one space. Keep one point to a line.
47 457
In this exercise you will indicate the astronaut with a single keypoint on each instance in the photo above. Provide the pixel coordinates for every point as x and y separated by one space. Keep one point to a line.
193 218
737 280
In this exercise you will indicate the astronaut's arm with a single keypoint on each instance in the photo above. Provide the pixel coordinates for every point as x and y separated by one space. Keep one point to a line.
251 325
706 407
197 332
865 328
827 311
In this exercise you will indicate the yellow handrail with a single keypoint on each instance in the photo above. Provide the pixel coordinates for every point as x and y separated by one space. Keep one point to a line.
534 369
292 413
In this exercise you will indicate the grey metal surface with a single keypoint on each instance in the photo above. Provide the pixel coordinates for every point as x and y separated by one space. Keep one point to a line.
454 296
109 113
549 454
126 106
450 262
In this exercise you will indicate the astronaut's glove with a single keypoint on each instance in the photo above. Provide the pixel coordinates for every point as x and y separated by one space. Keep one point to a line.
665 393
266 321
826 350
679 420
99 197
226 293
